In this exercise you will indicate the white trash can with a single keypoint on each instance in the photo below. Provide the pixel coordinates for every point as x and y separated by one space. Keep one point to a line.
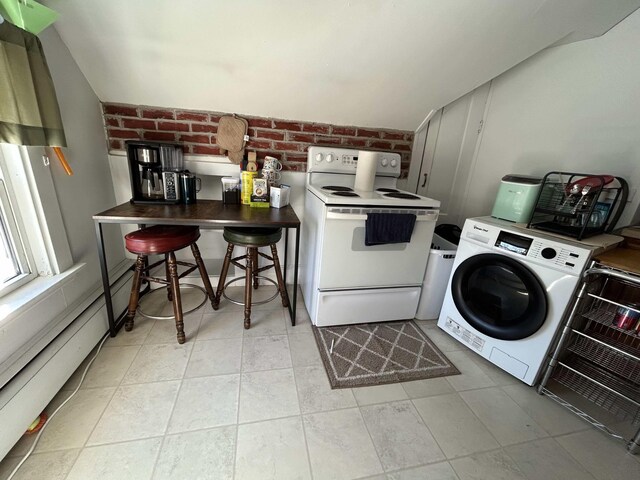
436 278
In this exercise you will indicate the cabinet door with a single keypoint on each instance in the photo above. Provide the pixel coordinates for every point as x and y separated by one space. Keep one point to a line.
444 164
422 151
469 143
449 153
424 145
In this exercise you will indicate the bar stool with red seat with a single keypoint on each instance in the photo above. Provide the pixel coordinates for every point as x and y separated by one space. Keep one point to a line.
165 240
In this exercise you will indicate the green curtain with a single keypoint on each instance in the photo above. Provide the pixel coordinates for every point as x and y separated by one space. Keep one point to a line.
29 112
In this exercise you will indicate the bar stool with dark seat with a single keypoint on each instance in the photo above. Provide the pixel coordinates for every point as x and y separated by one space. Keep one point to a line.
252 239
165 240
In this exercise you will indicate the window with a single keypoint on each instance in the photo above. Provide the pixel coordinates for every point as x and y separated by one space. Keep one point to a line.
32 242
16 264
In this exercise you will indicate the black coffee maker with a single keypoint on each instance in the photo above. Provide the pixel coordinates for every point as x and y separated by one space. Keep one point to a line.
153 168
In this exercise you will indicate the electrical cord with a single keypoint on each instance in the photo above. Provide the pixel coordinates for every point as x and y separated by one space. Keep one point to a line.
35 442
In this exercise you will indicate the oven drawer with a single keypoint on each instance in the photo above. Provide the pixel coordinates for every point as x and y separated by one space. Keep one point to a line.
344 307
346 262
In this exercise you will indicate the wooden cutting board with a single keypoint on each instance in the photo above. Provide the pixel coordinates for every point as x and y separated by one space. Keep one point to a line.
231 137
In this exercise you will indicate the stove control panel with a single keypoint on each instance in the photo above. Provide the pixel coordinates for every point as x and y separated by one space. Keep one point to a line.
343 160
347 159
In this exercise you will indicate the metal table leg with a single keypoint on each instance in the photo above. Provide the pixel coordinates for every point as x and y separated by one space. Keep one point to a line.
286 255
634 444
105 279
292 298
295 276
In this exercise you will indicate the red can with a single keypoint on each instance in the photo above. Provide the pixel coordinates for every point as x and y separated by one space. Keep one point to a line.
626 318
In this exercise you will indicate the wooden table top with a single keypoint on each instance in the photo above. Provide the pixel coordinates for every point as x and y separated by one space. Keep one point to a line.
627 259
204 213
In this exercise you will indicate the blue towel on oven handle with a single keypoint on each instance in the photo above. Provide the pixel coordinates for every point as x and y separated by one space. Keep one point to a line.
383 228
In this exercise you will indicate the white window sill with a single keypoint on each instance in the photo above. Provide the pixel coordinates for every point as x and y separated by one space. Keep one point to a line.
22 298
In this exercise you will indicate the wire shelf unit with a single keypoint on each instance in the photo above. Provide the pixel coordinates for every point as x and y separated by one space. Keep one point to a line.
601 388
595 358
584 415
617 360
603 312
604 316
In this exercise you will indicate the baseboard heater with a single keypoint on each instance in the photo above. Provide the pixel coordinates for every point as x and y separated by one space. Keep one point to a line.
30 391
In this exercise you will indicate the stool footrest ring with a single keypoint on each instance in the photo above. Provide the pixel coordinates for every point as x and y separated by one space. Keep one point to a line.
184 313
224 294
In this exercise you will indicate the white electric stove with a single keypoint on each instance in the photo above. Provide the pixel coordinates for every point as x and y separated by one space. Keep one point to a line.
343 280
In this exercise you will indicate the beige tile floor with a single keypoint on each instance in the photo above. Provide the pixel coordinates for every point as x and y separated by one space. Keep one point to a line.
256 404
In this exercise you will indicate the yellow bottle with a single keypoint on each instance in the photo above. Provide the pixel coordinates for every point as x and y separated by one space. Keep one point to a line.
247 186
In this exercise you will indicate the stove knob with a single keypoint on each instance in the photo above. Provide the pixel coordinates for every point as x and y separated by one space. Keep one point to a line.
318 157
548 253
384 162
330 158
394 163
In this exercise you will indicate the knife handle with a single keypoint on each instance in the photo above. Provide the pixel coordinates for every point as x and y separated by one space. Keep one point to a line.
63 161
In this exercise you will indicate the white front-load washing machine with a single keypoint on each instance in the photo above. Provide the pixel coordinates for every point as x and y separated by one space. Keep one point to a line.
508 292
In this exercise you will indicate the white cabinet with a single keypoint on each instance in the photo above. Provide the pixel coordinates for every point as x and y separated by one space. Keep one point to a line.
444 153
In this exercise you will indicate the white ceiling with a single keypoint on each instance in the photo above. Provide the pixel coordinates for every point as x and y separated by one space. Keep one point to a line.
379 63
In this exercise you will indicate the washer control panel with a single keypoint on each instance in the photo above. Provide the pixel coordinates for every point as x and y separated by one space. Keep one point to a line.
573 259
520 244
548 253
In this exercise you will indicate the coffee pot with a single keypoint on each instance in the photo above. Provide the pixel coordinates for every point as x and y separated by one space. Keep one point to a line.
150 169
149 163
151 184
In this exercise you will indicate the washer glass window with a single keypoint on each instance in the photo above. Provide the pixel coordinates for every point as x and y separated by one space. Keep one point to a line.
499 296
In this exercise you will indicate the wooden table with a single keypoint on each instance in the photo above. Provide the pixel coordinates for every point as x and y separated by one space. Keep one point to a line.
204 213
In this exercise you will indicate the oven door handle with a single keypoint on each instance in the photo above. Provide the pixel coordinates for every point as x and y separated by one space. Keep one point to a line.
430 216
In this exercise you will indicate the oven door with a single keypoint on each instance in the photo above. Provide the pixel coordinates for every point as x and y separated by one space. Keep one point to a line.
346 262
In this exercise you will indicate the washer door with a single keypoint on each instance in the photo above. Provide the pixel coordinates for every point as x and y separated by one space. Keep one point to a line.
499 296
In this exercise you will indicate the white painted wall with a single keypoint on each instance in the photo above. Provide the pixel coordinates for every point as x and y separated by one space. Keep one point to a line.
572 107
44 342
39 311
381 63
90 189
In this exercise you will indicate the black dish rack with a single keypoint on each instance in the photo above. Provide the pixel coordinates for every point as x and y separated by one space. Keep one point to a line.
579 205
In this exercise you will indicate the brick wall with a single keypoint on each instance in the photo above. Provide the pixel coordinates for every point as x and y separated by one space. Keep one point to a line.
285 139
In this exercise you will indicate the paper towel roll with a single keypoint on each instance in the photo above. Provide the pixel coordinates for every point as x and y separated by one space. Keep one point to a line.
366 171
